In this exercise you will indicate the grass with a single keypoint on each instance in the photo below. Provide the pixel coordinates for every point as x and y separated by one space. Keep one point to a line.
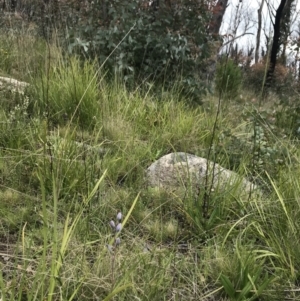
73 152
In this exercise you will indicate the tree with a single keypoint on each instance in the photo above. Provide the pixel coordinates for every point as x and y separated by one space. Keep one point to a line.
259 12
157 41
218 12
276 42
240 24
286 28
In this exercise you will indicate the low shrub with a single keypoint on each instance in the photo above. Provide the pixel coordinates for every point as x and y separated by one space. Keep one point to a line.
228 78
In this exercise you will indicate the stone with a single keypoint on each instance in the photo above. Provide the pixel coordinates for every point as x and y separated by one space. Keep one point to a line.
13 85
180 172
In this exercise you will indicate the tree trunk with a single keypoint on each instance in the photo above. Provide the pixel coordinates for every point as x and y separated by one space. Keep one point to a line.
258 31
276 44
286 28
218 13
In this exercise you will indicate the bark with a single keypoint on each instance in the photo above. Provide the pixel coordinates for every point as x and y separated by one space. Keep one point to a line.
276 44
285 30
259 12
217 17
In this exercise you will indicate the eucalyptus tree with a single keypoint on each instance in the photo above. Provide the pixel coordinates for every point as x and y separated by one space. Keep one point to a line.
258 35
158 41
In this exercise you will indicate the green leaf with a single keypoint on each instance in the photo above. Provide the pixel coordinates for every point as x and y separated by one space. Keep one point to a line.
245 291
116 291
228 286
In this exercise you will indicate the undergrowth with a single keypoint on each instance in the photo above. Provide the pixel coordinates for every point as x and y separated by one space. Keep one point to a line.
74 149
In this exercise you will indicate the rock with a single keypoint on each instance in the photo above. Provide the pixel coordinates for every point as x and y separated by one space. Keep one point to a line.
13 85
179 172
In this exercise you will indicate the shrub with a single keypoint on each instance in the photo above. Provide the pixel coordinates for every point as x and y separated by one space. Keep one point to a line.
69 91
228 78
143 42
282 81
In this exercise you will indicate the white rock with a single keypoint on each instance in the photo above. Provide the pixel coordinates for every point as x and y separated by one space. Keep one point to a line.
182 171
13 85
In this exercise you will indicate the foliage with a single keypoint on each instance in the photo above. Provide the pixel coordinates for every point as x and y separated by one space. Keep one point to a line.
142 42
61 182
21 63
258 147
69 91
228 78
249 281
282 81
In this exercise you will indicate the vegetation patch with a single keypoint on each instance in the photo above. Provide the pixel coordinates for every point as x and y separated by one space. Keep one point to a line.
79 222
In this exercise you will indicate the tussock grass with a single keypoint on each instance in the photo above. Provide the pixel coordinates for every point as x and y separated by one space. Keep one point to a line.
75 155
23 55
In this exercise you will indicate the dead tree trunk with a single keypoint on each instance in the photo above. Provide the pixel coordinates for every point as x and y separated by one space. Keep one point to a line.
259 12
286 28
276 44
217 17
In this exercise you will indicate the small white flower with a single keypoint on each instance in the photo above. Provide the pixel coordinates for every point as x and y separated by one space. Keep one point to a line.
119 227
118 241
112 224
119 216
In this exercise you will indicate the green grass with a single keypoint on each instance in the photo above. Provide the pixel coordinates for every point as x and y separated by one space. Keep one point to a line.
73 153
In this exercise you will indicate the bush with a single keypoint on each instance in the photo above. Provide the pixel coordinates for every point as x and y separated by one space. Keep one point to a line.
282 81
69 92
228 78
143 42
